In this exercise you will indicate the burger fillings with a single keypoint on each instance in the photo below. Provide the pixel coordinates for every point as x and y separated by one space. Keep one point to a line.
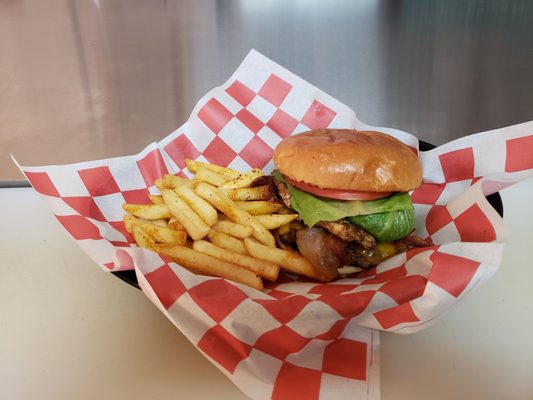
350 190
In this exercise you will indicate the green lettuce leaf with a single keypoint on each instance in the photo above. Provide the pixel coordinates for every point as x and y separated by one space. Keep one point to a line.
313 209
388 226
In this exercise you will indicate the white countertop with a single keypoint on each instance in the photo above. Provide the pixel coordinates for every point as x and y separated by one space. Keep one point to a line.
68 330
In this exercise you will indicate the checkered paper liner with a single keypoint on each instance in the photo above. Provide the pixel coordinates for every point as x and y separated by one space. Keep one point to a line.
297 338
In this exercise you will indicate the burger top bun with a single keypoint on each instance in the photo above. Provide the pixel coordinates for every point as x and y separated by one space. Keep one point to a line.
347 159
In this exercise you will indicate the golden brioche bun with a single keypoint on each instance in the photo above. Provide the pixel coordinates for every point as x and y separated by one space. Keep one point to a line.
347 159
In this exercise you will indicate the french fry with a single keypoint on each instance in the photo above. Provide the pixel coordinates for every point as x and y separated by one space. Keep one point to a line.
129 220
285 210
243 180
193 224
159 183
249 193
148 211
263 268
291 225
234 229
159 222
283 229
175 224
220 201
274 221
224 171
259 207
161 234
174 181
289 260
211 177
199 205
208 265
156 199
193 165
143 239
227 242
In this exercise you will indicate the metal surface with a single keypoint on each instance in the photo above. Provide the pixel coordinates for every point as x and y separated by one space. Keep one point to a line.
82 80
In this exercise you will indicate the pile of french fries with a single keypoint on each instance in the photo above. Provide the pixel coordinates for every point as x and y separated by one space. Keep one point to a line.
216 224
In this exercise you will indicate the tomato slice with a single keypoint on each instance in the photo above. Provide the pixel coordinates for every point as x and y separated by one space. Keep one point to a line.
337 193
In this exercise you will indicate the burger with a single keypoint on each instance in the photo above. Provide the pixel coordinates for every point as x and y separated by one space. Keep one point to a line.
350 189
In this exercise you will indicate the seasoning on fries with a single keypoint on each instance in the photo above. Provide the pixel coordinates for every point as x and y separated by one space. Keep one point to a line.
201 223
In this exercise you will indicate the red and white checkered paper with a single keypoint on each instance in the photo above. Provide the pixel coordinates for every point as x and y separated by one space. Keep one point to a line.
298 338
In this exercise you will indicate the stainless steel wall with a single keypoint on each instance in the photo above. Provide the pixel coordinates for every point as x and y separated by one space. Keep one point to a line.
90 79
